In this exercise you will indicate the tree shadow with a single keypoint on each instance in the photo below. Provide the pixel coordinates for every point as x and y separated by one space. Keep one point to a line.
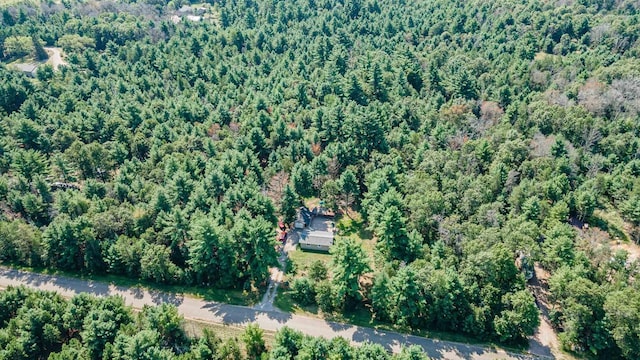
137 292
538 348
76 286
435 349
338 326
241 315
159 297
279 316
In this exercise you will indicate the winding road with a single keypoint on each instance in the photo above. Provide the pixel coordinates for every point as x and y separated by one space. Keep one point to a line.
207 311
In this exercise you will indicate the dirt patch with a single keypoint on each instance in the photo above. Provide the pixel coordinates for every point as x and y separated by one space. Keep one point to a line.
631 248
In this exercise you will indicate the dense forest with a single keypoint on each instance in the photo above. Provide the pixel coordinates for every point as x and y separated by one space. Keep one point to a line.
43 325
466 136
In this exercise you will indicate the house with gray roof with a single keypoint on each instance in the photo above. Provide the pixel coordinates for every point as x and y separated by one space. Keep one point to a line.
29 69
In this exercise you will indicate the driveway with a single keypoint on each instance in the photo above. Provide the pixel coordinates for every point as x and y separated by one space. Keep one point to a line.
207 311
55 57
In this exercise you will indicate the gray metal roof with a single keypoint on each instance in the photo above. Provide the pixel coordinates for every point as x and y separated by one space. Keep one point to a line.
317 238
26 67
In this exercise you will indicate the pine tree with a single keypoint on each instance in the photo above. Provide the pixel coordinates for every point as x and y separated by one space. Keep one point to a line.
40 52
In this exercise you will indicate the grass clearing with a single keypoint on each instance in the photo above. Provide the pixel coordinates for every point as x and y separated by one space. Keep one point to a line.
302 259
195 328
610 221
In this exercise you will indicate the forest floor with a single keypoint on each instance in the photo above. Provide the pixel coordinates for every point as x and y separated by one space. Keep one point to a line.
240 316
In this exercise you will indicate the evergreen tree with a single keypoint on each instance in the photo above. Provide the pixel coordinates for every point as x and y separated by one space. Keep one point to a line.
349 263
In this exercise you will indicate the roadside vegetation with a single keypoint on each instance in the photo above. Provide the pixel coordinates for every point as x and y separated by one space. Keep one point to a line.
43 325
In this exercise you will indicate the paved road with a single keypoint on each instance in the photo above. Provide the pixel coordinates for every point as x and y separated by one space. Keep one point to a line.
197 309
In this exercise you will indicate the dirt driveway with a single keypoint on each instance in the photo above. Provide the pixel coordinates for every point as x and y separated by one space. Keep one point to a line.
55 57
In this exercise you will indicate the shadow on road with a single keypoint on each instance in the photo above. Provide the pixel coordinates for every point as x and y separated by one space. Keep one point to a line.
41 280
281 317
137 292
337 326
433 348
159 297
239 315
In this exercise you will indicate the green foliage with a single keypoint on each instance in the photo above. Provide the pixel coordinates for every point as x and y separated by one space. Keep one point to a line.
413 352
582 314
75 43
303 292
254 342
156 265
302 180
147 156
20 243
318 271
72 245
349 262
17 46
519 319
326 297
210 258
101 325
168 324
38 49
622 310
37 324
408 303
289 205
395 243
288 342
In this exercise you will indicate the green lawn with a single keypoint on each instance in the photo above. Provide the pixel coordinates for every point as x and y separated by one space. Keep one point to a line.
610 221
302 259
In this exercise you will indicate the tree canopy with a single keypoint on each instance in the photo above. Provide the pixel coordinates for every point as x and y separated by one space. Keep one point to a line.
467 135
